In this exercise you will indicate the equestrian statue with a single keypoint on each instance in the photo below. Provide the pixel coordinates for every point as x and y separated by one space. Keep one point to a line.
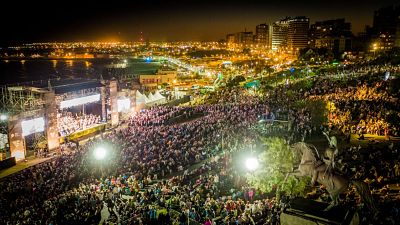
322 170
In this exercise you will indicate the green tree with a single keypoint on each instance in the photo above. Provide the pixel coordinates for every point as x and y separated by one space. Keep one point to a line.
317 108
235 81
275 172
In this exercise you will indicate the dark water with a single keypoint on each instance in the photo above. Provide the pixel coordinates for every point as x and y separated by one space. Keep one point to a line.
17 71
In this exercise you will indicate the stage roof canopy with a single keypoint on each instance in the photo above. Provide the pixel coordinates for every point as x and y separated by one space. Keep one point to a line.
67 85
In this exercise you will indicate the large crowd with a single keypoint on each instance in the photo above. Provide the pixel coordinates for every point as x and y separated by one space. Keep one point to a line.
365 106
183 173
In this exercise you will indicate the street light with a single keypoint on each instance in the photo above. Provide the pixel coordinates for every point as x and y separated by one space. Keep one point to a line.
100 153
3 117
375 47
252 164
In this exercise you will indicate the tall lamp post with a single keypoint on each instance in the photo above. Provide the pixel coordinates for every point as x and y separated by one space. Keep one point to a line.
375 47
252 165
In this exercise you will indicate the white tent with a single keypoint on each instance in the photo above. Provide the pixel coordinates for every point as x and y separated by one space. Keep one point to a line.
158 96
138 94
146 100
140 98
151 97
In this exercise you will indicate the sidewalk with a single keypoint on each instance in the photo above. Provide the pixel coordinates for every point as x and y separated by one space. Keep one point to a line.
23 165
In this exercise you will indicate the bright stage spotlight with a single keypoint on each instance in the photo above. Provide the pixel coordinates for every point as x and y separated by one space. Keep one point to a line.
252 164
100 153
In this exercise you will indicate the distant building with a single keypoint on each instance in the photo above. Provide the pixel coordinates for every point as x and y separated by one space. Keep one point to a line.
385 31
397 36
386 19
247 38
359 42
335 35
336 44
298 33
241 38
384 41
84 56
262 35
230 39
278 34
162 76
244 38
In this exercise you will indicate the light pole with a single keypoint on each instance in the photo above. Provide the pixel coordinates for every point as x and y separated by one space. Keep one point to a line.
375 47
251 165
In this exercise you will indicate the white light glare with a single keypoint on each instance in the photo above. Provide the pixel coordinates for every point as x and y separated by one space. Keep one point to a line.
100 153
32 126
251 164
79 101
124 104
3 117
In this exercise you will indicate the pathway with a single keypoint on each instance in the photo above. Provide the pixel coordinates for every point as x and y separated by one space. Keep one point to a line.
23 165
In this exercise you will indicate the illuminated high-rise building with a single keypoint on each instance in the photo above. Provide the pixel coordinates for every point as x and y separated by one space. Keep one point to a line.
278 34
385 29
261 37
230 39
334 35
298 33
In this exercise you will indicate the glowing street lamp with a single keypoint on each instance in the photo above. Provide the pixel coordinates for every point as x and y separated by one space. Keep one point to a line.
3 117
375 47
100 153
251 164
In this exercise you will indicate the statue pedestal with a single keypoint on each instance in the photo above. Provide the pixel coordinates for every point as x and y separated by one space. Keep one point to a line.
308 212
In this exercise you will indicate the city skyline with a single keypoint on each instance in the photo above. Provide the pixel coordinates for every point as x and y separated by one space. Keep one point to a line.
168 20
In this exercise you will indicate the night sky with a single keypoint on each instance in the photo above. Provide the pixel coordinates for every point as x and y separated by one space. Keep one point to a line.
164 20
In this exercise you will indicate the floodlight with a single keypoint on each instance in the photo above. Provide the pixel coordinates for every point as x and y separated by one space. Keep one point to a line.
100 153
3 117
252 164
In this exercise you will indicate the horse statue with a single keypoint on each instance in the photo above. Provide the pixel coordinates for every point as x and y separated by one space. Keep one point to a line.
311 164
331 152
